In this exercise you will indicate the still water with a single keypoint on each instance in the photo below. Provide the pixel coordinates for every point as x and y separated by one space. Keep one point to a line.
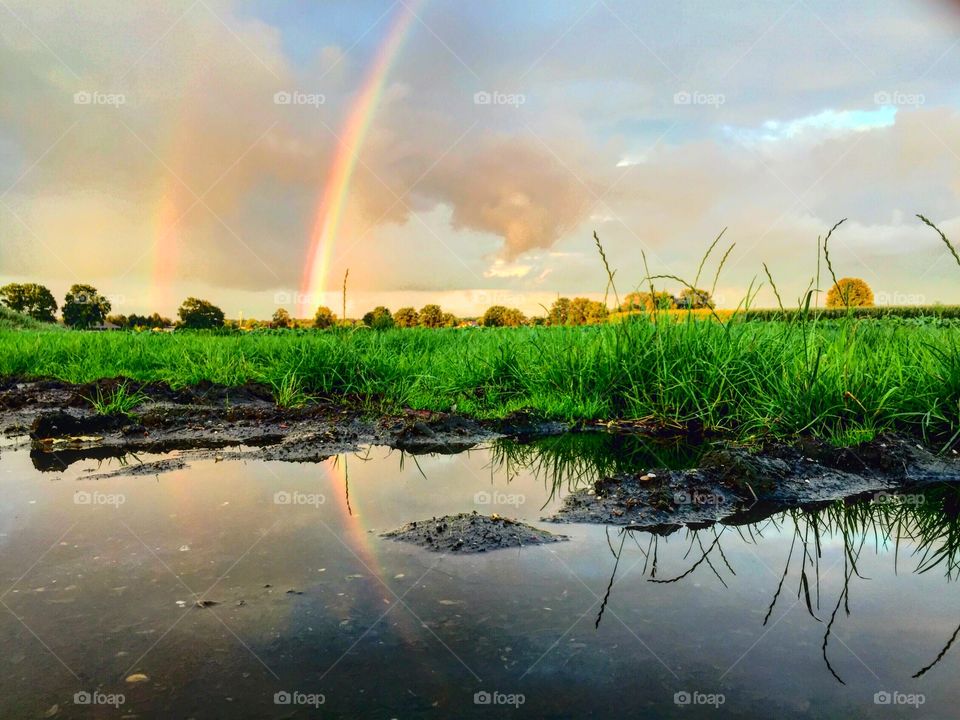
815 614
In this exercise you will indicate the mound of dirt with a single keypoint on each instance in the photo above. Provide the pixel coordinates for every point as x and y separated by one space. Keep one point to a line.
471 533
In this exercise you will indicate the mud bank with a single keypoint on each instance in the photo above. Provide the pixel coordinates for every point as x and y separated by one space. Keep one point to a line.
59 422
738 485
729 483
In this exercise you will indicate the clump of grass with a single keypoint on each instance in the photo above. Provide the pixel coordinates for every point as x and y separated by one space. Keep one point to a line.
288 391
119 401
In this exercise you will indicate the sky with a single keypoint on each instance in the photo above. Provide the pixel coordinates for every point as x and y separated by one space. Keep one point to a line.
250 152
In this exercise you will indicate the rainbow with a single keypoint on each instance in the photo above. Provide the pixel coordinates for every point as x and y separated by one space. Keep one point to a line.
333 200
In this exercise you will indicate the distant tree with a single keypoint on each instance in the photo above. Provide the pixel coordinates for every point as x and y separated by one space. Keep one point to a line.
431 316
583 311
379 318
83 307
449 320
281 319
850 292
406 317
559 312
500 316
691 299
148 321
645 301
31 299
324 318
197 314
119 320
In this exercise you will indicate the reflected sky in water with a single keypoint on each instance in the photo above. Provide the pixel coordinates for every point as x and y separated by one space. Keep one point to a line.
100 578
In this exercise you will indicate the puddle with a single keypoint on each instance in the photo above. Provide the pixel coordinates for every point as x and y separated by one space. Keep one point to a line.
302 600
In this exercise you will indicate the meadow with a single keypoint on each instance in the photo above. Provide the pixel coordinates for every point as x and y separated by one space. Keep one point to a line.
845 379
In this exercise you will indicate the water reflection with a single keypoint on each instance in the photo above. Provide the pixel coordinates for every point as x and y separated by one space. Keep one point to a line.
312 595
925 522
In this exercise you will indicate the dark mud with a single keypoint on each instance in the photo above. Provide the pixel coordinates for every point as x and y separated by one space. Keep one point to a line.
738 485
241 422
471 533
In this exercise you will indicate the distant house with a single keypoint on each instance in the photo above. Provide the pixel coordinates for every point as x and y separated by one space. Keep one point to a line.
105 326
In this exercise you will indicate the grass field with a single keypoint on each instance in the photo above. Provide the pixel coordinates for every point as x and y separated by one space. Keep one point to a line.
841 379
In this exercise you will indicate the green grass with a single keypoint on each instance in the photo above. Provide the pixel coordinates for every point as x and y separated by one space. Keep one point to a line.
844 380
11 320
118 401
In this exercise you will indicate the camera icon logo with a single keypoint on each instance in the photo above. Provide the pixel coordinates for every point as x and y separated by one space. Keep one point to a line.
882 698
82 698
82 98
282 497
682 98
482 698
482 498
882 98
82 497
282 98
482 98
282 698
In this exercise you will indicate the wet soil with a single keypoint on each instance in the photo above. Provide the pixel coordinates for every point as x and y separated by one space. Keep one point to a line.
471 533
737 485
62 427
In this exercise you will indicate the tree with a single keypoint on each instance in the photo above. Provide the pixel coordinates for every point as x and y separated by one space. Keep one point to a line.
559 312
83 307
645 301
281 319
691 299
324 318
500 316
148 321
379 318
406 317
30 298
449 320
583 311
197 314
850 292
431 316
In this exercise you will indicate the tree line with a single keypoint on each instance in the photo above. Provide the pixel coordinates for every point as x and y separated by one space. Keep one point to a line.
84 307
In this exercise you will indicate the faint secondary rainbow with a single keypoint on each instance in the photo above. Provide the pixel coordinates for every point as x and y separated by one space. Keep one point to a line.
330 209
